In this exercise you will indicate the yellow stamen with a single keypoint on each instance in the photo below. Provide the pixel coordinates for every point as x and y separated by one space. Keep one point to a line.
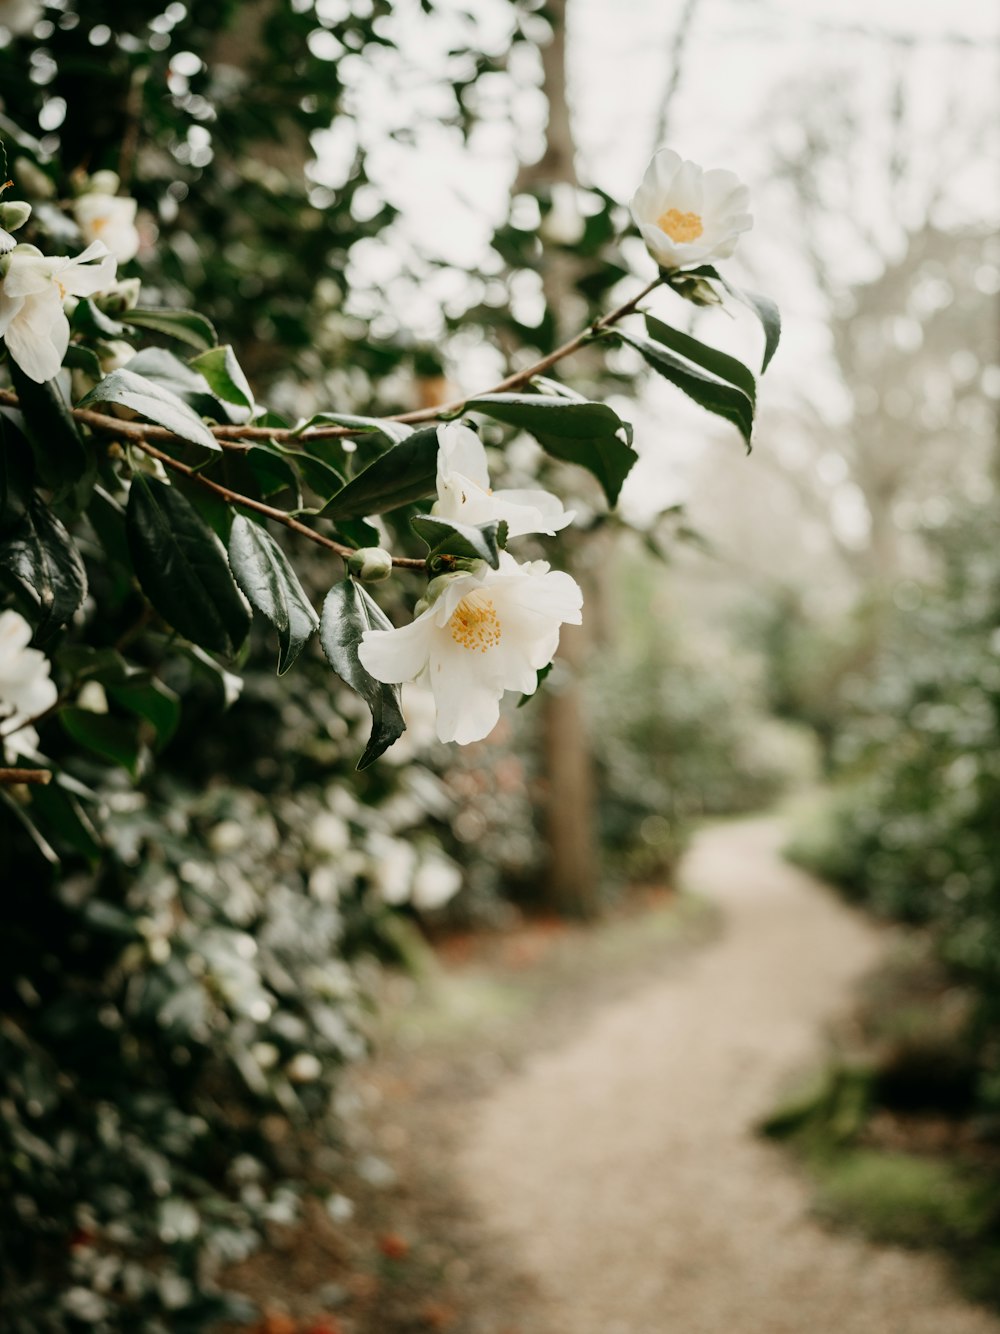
62 290
680 226
474 623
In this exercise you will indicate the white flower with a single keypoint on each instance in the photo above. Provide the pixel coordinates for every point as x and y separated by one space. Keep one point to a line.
26 688
32 293
438 879
465 495
329 835
484 632
111 219
688 216
393 861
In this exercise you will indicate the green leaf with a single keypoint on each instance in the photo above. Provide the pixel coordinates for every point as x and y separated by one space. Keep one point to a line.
347 613
391 432
762 306
88 320
182 568
152 701
64 464
317 474
64 819
80 358
268 580
589 434
225 377
113 739
405 473
272 472
168 371
37 553
107 518
709 392
186 325
16 469
446 537
153 403
106 665
708 358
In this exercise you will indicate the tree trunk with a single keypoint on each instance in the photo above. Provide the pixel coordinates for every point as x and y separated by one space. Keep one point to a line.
572 871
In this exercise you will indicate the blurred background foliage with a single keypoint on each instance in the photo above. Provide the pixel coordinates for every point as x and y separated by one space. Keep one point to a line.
182 988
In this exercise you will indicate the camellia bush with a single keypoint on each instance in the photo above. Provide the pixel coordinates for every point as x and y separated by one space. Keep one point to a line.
176 965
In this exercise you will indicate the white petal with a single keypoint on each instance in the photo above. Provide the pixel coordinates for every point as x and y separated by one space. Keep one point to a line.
541 509
460 450
37 355
468 706
28 274
686 193
85 279
15 633
658 243
662 169
397 655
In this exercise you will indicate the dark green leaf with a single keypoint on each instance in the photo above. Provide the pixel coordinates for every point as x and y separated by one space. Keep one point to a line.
182 568
446 537
106 665
80 358
186 325
317 474
107 518
225 376
88 320
589 434
16 469
168 371
709 392
347 613
42 845
263 572
38 554
762 306
64 819
708 358
405 473
64 464
113 739
151 700
272 472
153 403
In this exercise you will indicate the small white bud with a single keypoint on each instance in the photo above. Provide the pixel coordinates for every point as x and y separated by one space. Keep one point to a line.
103 183
15 213
371 565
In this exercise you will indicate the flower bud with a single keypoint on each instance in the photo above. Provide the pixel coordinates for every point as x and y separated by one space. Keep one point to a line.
696 290
15 213
120 298
370 564
103 183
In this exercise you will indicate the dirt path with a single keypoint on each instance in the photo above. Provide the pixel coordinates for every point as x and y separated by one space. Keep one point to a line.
622 1172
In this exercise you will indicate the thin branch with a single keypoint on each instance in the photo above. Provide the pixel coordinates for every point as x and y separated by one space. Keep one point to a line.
258 506
40 777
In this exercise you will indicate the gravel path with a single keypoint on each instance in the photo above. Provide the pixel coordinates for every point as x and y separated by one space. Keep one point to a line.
623 1172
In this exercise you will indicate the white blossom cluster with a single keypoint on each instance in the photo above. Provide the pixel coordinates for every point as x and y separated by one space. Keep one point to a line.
26 688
